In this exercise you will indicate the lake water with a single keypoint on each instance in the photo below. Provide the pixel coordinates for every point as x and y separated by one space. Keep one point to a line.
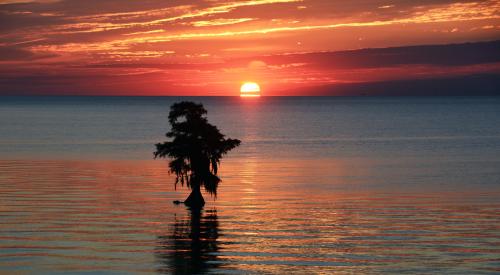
319 185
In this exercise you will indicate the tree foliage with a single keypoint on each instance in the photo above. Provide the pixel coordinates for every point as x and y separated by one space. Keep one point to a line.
195 147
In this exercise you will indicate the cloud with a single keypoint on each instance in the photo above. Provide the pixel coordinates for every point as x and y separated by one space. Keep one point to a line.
12 53
442 56
220 22
470 85
442 14
437 55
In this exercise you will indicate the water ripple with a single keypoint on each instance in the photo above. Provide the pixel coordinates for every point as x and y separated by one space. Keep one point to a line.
118 217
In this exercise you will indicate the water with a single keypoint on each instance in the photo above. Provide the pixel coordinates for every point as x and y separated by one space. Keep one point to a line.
319 185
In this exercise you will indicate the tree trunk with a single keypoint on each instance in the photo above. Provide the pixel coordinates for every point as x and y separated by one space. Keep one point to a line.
195 199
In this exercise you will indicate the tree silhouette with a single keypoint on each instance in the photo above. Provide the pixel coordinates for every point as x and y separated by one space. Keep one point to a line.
195 150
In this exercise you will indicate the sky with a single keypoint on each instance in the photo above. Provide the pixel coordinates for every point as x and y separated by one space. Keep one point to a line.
211 47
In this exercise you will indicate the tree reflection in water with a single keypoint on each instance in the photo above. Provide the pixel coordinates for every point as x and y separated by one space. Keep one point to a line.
192 246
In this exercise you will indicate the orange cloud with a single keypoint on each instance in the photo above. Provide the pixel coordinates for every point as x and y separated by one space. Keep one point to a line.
220 22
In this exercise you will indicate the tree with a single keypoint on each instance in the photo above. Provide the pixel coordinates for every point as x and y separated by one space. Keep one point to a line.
195 150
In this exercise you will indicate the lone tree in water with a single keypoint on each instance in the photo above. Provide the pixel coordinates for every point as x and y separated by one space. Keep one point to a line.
195 150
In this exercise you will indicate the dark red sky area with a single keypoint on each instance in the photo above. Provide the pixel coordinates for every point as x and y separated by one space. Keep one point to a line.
289 47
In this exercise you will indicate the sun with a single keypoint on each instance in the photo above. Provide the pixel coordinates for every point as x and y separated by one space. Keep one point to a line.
250 89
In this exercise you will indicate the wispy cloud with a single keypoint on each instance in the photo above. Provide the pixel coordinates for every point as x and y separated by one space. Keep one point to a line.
453 12
100 22
220 22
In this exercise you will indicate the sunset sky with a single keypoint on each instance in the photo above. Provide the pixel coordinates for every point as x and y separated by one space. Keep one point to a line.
210 47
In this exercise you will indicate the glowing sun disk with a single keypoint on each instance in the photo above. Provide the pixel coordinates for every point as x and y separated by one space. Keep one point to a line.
250 89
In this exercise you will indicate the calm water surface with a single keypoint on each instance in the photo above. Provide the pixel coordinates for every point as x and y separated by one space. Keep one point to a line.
320 185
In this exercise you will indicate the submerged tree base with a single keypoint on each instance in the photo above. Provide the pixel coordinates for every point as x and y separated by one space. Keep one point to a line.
195 199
